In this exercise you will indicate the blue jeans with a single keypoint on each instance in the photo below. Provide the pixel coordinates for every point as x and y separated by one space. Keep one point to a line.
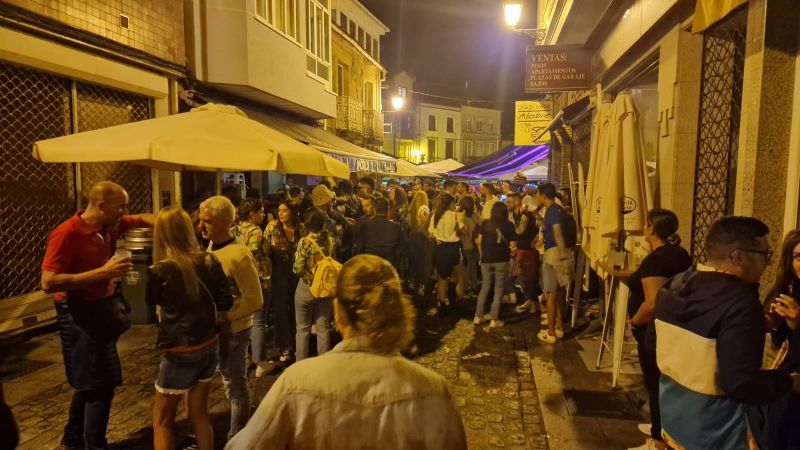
258 335
308 309
498 271
233 368
180 372
471 258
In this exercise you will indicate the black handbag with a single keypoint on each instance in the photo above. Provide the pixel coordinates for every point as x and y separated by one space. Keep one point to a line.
102 319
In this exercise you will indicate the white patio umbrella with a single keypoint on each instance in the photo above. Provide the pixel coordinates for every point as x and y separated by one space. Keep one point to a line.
211 137
443 166
627 196
592 242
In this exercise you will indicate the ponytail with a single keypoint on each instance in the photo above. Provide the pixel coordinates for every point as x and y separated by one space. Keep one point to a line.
674 240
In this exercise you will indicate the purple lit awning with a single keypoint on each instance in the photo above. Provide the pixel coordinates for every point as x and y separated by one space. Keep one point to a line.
507 160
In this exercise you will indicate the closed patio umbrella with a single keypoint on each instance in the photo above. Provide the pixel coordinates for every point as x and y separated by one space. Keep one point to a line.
211 137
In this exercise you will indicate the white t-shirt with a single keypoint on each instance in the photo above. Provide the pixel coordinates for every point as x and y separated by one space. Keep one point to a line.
445 229
486 212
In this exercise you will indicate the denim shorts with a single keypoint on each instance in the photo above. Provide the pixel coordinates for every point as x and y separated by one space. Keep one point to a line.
181 371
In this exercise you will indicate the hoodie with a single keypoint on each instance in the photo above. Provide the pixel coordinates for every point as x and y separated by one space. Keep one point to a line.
708 331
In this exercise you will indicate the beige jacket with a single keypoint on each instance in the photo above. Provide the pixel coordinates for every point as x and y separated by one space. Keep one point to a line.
350 398
240 268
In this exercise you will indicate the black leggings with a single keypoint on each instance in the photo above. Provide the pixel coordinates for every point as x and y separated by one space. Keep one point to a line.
651 374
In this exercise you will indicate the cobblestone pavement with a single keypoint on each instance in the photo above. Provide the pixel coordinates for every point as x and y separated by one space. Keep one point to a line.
489 369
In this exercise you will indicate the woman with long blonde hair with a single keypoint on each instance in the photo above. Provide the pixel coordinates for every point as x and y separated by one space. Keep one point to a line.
420 247
342 399
190 289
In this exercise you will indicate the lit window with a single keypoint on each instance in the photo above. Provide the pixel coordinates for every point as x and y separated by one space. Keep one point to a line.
282 14
318 38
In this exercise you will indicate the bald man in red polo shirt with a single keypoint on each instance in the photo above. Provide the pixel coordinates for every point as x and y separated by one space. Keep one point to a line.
80 269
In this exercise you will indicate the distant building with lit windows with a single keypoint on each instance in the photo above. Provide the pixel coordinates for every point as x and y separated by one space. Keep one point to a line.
430 128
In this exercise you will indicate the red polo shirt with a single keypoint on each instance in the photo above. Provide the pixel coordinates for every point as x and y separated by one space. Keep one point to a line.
74 247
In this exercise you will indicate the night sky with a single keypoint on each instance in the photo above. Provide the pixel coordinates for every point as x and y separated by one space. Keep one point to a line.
457 48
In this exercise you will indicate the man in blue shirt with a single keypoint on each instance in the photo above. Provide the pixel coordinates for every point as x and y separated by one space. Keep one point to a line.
557 264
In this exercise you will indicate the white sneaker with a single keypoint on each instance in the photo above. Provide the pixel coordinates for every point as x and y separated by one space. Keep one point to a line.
645 428
546 338
527 306
649 444
559 334
496 323
265 368
433 311
479 320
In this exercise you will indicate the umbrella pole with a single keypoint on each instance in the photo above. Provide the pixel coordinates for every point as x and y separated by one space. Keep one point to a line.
218 182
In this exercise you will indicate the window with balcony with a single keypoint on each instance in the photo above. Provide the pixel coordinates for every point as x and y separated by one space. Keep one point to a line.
281 14
341 83
431 123
451 125
369 96
318 39
431 150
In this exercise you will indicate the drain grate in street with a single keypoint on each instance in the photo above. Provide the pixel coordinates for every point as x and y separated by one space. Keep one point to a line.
13 370
611 405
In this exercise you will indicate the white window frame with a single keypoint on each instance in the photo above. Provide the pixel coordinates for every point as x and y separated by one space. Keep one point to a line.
468 125
479 126
318 39
267 13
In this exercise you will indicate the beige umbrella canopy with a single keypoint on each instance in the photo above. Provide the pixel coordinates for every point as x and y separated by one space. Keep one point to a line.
211 137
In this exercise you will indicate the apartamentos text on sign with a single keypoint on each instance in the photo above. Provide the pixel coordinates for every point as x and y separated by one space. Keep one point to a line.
557 68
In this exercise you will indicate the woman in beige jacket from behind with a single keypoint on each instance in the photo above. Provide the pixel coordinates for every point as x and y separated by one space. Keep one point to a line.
362 394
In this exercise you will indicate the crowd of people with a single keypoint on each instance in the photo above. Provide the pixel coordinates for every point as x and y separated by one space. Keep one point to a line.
338 262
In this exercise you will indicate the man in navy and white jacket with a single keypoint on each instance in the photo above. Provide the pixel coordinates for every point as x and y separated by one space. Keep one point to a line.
708 331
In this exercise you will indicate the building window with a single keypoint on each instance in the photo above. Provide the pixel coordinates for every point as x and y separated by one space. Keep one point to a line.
403 92
351 29
449 148
479 126
369 96
281 14
360 39
318 38
342 21
468 149
479 149
368 41
491 127
451 125
387 128
431 150
375 49
340 85
431 123
468 125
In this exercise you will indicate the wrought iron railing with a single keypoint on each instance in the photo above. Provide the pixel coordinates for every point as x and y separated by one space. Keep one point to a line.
373 126
349 116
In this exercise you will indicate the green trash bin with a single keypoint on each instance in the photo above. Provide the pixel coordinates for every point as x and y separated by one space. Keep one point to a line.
134 285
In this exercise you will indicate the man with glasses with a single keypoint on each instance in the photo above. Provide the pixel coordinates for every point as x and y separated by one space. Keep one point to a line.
708 331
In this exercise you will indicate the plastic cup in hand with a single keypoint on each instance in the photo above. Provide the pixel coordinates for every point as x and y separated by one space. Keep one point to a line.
123 253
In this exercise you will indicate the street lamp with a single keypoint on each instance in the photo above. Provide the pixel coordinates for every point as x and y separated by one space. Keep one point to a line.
512 10
397 103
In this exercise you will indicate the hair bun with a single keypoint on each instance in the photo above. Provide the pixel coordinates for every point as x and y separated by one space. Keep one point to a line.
674 239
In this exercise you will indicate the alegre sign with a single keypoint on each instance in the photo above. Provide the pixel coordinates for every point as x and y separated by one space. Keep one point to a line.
551 68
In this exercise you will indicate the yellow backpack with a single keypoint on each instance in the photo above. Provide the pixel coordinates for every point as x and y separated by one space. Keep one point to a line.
325 274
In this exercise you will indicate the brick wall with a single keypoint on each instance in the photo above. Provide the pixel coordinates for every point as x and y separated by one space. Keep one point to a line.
155 26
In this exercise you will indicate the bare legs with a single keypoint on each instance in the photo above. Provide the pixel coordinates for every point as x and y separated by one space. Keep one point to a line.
165 407
555 320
